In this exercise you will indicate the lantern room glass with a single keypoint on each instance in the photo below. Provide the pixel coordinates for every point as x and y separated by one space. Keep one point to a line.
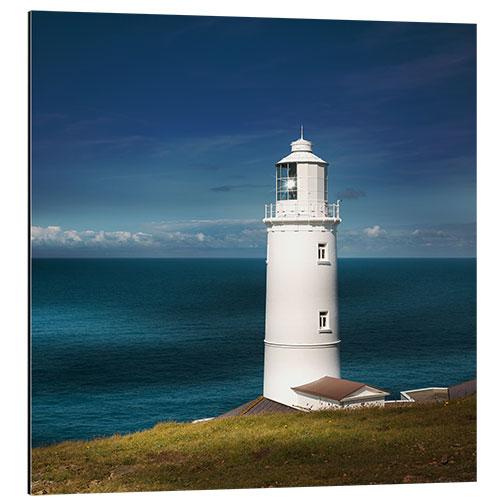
286 181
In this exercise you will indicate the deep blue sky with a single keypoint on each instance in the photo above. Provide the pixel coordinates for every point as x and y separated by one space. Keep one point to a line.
157 135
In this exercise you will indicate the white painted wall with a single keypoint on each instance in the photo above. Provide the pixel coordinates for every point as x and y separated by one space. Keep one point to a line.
299 286
313 403
311 182
286 367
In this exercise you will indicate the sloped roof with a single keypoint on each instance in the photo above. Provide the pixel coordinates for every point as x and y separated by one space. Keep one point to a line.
428 394
333 388
302 157
258 406
463 389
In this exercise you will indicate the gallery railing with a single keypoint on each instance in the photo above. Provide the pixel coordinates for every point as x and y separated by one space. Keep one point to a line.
306 210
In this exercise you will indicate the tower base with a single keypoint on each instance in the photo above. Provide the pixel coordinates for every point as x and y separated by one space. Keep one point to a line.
287 366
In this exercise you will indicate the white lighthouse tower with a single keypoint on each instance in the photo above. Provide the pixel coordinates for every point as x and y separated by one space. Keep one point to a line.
302 338
302 344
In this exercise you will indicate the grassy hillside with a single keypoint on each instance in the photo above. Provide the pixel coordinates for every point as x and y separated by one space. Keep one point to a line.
422 443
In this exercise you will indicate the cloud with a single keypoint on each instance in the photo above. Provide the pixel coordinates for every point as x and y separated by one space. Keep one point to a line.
194 224
158 239
141 237
232 187
374 232
55 236
433 233
247 237
213 234
350 194
446 240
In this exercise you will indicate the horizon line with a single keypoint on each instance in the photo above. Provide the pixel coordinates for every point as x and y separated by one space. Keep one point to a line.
247 258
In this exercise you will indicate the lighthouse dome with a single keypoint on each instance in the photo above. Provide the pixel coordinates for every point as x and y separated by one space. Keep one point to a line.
301 145
302 152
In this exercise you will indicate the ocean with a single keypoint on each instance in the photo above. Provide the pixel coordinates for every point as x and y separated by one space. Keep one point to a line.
121 344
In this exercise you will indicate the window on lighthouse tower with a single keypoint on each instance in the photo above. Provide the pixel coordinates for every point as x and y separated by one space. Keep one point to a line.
323 320
286 181
322 251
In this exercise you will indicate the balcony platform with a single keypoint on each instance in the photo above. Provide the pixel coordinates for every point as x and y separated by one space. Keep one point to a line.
302 211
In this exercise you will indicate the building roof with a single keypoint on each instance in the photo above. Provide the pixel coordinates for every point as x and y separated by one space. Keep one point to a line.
463 389
301 152
427 394
333 388
258 406
302 157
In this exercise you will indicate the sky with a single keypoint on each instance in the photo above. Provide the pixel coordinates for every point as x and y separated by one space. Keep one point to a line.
156 136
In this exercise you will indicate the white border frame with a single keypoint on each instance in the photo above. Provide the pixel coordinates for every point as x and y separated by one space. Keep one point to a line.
14 215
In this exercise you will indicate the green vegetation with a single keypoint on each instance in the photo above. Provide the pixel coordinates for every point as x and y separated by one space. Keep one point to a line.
411 444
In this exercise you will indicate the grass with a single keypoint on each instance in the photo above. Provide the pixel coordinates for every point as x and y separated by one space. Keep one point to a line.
412 444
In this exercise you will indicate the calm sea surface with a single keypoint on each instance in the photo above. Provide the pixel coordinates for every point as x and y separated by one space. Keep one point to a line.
120 344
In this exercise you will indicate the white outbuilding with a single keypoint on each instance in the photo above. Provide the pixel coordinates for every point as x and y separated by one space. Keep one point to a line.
332 393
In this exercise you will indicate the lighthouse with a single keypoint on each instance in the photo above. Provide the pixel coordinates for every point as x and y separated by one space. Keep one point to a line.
302 342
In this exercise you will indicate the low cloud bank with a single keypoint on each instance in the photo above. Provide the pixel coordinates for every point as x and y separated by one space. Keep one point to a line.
247 238
55 236
183 238
448 240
